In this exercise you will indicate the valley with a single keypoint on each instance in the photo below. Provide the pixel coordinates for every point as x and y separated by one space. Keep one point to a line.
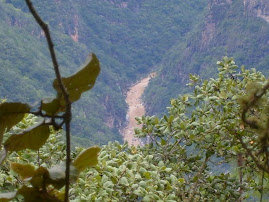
136 108
171 72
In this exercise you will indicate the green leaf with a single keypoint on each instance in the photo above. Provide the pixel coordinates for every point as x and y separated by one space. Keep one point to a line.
51 106
24 171
78 83
39 176
223 95
10 115
156 120
147 175
163 142
181 180
57 175
195 178
171 118
87 158
32 138
32 194
7 196
124 181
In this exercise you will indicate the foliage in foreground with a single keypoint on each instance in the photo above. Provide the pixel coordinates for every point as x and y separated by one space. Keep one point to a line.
194 154
43 183
51 114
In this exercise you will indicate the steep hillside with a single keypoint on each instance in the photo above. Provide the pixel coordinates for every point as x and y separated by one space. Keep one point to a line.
129 38
236 28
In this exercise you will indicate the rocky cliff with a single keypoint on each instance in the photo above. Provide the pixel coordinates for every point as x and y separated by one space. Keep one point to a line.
129 37
236 28
258 8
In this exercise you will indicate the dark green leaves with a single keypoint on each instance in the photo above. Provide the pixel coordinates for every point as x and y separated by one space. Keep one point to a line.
50 106
81 81
39 179
32 138
10 115
87 158
75 85
57 175
23 170
33 194
36 136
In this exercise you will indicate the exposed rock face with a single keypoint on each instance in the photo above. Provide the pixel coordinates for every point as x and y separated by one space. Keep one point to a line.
259 8
216 13
212 32
253 8
209 30
229 27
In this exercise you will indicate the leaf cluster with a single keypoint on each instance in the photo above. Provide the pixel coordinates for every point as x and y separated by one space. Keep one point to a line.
33 137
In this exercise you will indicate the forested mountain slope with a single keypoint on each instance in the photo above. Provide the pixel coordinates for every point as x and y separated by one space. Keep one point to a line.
129 37
237 28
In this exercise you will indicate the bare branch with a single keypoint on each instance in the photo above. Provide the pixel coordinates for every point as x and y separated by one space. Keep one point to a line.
68 112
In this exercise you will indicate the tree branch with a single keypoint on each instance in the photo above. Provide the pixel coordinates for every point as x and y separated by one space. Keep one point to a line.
194 188
68 112
249 152
256 96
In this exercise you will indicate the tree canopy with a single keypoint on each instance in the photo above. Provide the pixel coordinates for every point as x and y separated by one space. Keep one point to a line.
205 148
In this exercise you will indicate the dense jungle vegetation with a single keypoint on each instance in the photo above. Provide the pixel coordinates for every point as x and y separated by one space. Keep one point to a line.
211 144
201 151
226 29
129 42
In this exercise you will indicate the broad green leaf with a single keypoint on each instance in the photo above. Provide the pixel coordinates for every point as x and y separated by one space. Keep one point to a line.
171 118
181 180
39 176
80 82
51 106
57 175
32 138
163 142
87 158
33 194
124 181
156 120
147 175
23 170
7 196
195 178
10 115
223 95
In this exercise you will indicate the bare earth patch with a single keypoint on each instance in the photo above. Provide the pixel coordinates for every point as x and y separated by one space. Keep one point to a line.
136 109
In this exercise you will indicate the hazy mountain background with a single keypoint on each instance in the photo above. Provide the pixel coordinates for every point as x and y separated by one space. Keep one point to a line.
131 39
234 28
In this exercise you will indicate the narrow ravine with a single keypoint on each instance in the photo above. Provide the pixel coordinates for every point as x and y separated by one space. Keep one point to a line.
136 109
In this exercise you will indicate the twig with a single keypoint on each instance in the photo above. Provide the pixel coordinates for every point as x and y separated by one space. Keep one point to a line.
262 186
68 112
194 188
252 155
240 167
38 158
256 96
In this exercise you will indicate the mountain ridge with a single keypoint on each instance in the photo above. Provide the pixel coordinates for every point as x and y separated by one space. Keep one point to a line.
128 37
228 28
